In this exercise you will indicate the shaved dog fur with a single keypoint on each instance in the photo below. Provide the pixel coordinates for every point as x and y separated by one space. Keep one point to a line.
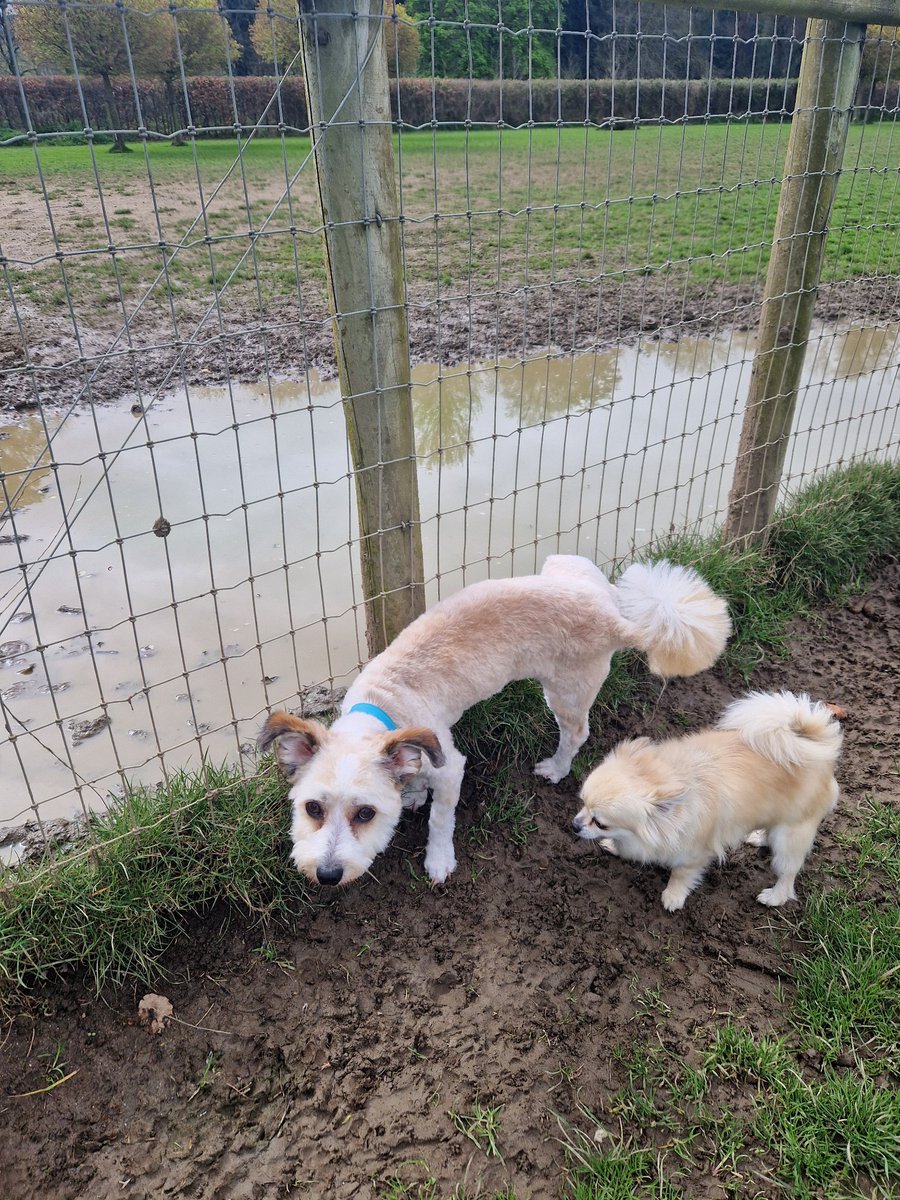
392 742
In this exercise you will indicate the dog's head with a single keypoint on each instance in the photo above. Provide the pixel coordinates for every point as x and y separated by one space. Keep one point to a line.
630 799
345 792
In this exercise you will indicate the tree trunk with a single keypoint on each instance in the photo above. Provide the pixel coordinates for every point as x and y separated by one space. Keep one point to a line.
172 112
112 116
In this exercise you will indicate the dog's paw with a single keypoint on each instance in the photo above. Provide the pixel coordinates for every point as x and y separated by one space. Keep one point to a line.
609 846
758 837
673 899
548 770
774 896
440 864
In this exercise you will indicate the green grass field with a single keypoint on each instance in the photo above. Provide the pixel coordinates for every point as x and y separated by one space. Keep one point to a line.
515 208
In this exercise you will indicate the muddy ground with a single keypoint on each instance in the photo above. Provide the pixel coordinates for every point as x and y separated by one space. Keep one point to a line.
334 1068
42 361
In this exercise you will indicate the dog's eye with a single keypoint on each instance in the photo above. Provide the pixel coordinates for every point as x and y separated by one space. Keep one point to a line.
598 825
315 810
364 814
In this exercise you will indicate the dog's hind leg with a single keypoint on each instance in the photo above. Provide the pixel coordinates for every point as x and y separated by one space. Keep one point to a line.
440 859
570 702
790 845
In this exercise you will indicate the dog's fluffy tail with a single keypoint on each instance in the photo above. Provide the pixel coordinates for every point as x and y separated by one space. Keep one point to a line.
789 730
683 624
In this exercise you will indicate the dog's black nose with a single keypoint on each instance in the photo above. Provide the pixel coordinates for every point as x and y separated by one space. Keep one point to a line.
577 825
330 875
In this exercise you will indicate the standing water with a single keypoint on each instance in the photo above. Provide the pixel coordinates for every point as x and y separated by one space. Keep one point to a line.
210 571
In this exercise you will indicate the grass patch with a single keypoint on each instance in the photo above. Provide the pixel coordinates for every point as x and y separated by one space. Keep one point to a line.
622 1175
876 847
823 545
481 1125
695 204
113 908
848 983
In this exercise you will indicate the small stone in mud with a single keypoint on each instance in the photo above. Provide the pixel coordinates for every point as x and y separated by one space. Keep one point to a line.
82 730
73 612
20 618
161 527
10 539
137 410
147 651
155 1012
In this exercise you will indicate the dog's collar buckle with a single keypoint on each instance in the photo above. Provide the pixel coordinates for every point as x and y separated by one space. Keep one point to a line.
373 710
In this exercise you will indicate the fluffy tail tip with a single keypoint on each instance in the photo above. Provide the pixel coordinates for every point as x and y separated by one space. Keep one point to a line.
790 730
684 625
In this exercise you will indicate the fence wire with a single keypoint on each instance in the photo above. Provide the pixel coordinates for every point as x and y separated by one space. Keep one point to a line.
586 215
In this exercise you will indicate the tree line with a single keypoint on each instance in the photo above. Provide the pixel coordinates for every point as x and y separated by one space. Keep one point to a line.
452 39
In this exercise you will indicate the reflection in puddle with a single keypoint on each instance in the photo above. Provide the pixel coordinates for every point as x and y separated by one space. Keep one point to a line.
212 568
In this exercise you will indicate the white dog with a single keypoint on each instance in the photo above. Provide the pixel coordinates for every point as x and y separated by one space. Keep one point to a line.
392 740
766 770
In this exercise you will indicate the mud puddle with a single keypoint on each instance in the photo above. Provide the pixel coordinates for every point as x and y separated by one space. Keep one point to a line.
142 643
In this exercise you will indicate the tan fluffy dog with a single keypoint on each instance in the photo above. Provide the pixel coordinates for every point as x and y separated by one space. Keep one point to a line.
392 741
767 769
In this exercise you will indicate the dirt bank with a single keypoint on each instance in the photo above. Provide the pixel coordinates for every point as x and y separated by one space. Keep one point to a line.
40 358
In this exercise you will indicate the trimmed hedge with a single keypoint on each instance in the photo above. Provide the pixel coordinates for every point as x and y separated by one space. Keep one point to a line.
54 105
217 104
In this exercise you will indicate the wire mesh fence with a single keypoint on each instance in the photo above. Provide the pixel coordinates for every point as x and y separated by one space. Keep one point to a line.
585 203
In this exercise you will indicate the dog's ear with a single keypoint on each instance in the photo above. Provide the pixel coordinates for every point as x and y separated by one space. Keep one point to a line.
669 795
403 751
297 740
634 747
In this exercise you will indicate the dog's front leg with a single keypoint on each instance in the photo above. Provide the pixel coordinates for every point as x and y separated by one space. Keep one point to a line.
440 859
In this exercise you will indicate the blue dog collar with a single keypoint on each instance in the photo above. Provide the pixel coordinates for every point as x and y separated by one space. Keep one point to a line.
374 711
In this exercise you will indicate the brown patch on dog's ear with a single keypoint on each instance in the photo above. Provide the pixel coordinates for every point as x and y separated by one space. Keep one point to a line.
403 751
297 740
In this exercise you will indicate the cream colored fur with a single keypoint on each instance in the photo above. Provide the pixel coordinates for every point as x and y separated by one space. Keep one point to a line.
765 773
560 627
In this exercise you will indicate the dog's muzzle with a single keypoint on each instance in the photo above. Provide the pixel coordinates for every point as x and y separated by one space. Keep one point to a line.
331 875
585 829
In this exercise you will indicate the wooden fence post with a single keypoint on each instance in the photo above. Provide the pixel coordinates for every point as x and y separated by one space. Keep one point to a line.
345 68
828 79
